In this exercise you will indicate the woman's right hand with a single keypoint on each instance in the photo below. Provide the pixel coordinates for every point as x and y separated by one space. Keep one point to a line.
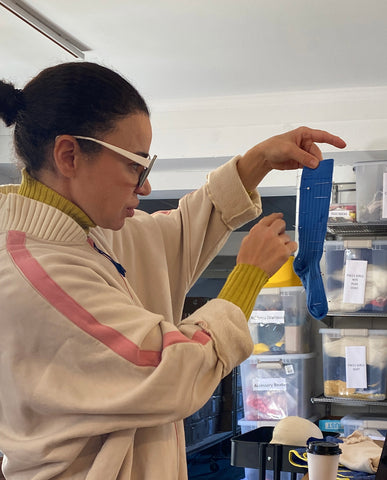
267 246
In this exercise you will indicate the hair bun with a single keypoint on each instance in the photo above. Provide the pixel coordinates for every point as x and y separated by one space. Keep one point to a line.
11 102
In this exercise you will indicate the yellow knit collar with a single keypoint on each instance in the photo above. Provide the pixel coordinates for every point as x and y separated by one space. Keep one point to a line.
32 188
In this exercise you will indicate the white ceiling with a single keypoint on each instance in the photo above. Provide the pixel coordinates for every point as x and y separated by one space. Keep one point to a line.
184 49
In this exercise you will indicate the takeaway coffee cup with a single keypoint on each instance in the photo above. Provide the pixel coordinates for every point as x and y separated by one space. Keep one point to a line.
323 460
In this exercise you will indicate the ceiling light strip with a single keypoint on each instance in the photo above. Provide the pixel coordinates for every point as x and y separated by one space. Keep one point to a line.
46 27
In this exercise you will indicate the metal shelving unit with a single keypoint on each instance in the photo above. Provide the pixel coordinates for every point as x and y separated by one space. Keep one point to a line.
355 229
357 314
344 231
346 402
350 402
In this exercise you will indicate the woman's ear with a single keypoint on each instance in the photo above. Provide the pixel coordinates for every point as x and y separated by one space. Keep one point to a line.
66 151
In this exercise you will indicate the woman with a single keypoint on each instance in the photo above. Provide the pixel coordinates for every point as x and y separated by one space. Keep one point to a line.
97 371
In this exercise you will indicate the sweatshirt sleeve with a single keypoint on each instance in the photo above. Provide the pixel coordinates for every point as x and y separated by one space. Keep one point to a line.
98 357
229 196
190 236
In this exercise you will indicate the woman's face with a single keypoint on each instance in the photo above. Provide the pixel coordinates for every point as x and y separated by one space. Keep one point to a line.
105 186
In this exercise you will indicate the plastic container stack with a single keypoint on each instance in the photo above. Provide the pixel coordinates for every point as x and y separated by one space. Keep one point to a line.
355 275
354 363
277 386
279 322
371 195
277 379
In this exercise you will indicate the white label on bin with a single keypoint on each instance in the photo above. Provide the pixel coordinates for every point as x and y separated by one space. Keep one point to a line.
289 369
355 281
269 384
267 316
356 367
384 207
340 213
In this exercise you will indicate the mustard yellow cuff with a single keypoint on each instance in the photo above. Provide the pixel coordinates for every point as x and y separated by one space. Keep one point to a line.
243 286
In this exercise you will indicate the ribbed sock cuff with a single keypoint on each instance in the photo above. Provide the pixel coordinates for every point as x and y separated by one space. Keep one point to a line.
243 286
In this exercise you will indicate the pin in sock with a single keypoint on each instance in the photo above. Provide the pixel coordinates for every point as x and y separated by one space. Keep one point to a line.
314 200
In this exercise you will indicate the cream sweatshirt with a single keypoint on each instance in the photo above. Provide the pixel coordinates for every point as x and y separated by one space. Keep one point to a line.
97 370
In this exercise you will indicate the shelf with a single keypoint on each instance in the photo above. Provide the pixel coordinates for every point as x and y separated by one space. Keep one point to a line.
357 229
357 314
348 401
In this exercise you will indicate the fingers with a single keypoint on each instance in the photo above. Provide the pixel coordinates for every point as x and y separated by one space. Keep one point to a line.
292 246
320 136
306 159
306 138
267 245
269 219
273 221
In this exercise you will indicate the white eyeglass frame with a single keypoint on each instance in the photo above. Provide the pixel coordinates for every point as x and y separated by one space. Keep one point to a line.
146 162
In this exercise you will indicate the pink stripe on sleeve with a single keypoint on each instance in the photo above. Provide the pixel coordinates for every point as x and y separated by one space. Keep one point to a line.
73 311
172 338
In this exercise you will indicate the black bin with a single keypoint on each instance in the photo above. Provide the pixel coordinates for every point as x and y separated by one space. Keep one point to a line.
254 450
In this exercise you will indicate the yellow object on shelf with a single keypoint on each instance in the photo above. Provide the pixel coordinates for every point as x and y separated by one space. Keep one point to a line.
260 348
284 277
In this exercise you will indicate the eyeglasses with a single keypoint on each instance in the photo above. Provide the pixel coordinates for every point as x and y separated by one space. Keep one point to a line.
147 162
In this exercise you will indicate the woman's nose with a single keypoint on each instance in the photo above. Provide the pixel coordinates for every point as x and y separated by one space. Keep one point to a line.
145 189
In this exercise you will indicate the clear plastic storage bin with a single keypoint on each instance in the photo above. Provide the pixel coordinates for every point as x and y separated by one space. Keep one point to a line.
354 363
341 213
279 322
277 386
248 425
373 426
355 275
371 192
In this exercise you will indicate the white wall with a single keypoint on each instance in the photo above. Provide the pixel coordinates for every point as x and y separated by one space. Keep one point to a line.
217 128
226 125
222 127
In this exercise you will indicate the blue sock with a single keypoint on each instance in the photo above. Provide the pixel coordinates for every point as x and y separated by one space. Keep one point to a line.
314 200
